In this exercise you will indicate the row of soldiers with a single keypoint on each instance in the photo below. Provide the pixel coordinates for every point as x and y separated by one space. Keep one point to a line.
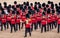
46 21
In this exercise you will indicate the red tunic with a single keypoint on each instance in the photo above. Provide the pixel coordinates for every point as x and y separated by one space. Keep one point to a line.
56 17
3 20
58 21
13 21
8 18
43 22
38 18
33 19
15 17
49 20
53 19
23 18
27 25
18 20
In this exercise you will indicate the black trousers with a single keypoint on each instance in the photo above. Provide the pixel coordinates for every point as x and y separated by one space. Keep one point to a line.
17 26
43 27
35 26
13 27
49 26
58 28
53 25
27 30
23 24
8 23
38 24
3 25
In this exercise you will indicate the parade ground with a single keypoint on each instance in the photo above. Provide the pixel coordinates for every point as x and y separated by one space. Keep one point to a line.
35 34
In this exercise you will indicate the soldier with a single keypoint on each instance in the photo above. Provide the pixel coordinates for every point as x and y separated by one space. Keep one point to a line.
13 22
27 26
18 22
23 20
8 20
43 23
3 22
33 18
39 19
58 22
49 23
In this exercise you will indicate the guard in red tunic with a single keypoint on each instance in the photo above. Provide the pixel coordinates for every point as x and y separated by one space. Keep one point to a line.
8 20
34 21
43 23
27 26
53 21
3 22
58 22
13 22
49 20
18 22
39 19
23 20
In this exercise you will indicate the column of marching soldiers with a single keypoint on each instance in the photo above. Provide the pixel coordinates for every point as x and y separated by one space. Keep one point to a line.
38 16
